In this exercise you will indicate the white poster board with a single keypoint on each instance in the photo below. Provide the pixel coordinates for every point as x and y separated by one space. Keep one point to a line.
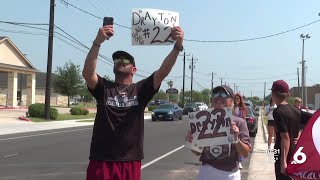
210 128
153 26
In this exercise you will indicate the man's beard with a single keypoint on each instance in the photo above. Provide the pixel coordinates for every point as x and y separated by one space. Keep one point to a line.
123 72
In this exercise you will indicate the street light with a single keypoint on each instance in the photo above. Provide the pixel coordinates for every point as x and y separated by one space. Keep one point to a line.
303 78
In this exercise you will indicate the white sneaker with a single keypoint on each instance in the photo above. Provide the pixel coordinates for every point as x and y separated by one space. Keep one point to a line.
240 165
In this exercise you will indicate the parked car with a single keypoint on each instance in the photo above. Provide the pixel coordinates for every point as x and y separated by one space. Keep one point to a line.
201 106
189 107
74 102
168 111
252 121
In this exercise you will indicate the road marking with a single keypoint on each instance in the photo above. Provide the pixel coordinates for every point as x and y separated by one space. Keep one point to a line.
10 155
20 137
161 157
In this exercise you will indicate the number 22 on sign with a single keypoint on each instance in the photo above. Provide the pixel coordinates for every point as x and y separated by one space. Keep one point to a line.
211 127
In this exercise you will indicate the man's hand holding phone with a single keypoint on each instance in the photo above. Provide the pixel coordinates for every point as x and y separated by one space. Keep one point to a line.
106 31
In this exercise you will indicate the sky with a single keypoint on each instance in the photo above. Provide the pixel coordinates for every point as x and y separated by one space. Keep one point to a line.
245 64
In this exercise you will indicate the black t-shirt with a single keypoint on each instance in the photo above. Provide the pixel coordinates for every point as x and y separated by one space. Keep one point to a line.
118 129
287 119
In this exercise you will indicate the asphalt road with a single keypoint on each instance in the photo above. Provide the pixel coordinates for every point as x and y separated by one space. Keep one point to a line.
63 154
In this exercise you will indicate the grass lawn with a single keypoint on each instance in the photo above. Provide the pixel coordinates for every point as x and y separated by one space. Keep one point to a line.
62 117
80 105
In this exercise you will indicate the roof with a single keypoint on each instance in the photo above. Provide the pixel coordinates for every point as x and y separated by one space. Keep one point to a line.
4 38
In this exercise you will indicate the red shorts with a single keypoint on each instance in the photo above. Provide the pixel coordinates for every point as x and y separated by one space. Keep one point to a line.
115 170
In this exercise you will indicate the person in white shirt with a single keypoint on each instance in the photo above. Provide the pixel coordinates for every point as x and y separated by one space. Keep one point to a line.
269 112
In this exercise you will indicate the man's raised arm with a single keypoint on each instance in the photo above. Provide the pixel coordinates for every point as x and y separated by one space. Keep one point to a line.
170 60
89 69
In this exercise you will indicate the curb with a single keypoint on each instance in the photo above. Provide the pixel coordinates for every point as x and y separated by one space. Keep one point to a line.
265 132
24 119
12 108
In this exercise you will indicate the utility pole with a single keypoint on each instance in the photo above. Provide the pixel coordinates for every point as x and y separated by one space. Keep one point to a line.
49 63
184 75
303 78
299 92
264 93
192 67
221 81
211 82
234 87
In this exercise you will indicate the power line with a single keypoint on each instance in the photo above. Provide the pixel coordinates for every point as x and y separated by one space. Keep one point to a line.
209 41
23 23
252 39
91 14
197 83
23 32
263 78
206 74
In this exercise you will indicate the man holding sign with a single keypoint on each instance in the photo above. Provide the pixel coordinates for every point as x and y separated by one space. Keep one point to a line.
117 142
221 161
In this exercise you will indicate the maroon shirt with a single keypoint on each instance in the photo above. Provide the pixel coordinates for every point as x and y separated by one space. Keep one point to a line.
119 124
225 157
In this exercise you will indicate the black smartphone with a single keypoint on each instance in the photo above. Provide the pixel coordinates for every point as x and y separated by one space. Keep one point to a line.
107 21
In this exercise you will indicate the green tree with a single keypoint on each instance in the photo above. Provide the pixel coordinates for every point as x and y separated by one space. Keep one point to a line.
68 81
85 94
160 95
206 94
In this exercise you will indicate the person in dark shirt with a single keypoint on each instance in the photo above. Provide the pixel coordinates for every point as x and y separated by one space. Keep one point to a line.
117 141
287 120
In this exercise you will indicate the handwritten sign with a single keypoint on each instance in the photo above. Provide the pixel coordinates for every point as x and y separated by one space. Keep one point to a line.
152 26
210 128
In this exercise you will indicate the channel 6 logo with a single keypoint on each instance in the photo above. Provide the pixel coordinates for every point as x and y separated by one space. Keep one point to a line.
299 157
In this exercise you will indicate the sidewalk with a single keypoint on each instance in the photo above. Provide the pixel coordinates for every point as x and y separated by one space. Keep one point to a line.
10 124
260 166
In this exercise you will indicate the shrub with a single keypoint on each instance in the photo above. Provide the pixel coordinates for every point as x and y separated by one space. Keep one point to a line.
151 108
53 113
75 111
37 110
84 112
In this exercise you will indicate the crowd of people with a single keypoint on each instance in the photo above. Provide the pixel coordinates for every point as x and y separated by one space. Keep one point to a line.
117 141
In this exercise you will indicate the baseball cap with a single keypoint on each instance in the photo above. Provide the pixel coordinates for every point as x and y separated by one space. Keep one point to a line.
124 55
225 88
280 86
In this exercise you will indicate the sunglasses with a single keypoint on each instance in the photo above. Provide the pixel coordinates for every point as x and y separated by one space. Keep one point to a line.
125 61
221 94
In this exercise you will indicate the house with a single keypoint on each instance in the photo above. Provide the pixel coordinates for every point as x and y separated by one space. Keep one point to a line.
21 84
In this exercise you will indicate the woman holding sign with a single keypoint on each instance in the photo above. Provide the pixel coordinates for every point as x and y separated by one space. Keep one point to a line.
222 161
